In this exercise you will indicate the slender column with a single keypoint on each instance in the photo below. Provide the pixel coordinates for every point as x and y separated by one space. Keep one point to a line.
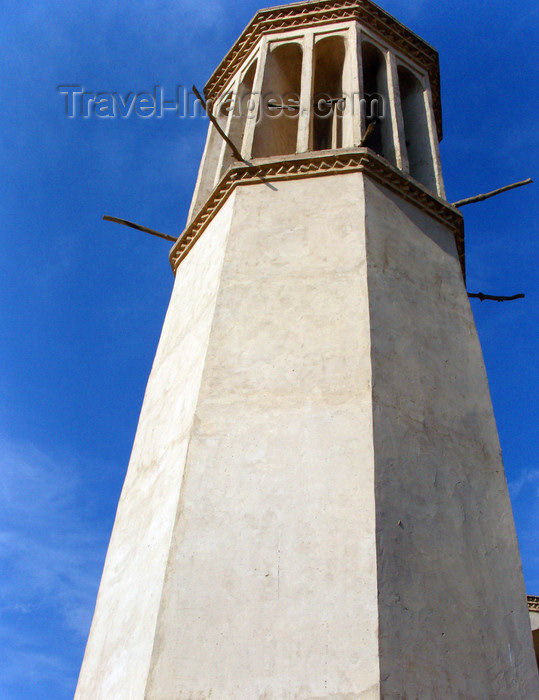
395 111
253 116
354 116
306 96
434 143
360 122
334 127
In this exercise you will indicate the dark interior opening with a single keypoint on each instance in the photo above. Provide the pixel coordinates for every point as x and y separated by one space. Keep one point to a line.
375 94
329 55
277 131
416 129
242 111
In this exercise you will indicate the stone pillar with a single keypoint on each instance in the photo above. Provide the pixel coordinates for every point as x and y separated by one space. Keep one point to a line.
356 84
395 113
434 143
306 97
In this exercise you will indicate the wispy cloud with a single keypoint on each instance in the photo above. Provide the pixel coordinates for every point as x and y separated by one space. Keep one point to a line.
528 479
51 555
524 491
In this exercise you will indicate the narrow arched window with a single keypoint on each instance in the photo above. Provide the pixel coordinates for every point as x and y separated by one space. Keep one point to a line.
277 131
242 110
376 101
416 130
328 108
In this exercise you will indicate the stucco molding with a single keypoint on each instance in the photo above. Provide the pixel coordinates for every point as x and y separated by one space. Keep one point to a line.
326 163
533 603
313 14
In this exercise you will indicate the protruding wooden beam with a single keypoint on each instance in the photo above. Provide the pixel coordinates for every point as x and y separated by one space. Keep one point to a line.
140 228
481 197
215 123
290 107
368 132
490 297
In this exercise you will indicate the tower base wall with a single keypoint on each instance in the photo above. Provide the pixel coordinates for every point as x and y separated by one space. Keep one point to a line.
319 428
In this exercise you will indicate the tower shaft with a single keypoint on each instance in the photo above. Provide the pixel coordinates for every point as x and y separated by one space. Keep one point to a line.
316 505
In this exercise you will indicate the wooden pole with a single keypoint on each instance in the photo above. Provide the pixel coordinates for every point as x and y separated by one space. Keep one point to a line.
367 133
481 197
140 228
490 297
215 123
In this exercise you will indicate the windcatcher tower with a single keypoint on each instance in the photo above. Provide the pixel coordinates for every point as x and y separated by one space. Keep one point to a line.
316 505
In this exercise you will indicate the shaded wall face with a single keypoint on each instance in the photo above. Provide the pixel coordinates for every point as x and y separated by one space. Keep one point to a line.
452 614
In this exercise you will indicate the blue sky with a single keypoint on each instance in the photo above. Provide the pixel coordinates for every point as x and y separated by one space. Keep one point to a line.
82 301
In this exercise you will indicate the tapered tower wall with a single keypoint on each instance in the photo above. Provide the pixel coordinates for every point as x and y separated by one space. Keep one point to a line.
118 653
332 517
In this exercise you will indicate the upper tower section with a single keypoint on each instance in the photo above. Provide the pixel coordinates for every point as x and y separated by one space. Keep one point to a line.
313 76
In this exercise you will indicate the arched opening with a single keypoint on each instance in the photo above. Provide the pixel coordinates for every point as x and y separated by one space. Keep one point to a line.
416 129
376 101
277 131
242 111
329 55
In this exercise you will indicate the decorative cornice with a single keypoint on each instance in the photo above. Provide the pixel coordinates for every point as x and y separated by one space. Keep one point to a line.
312 14
533 603
318 165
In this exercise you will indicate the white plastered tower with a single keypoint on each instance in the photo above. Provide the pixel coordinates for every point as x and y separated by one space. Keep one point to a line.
316 504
